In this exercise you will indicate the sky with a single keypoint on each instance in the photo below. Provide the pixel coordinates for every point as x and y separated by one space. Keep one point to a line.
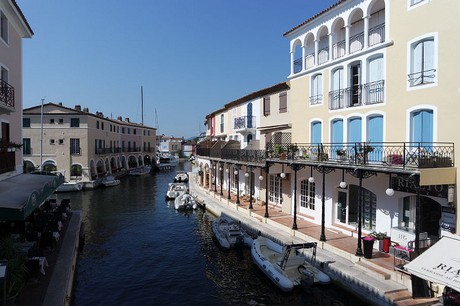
190 57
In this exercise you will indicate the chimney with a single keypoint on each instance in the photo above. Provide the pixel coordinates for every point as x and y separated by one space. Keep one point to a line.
78 107
119 118
60 103
86 109
127 119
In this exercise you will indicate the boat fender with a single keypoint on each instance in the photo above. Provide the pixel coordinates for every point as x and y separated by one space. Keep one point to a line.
322 278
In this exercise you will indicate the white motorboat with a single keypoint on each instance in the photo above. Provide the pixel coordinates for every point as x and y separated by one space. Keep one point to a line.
285 266
181 176
229 233
140 171
70 187
185 201
110 181
175 190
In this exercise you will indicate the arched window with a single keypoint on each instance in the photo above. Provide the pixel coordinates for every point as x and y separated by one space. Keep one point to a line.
422 126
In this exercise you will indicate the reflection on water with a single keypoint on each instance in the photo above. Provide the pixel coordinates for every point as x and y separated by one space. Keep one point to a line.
140 251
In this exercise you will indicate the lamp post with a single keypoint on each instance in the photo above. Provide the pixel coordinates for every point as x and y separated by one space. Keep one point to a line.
221 180
251 182
237 184
296 168
215 178
229 181
324 171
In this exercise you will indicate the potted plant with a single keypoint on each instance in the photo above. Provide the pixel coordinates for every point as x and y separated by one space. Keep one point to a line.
341 153
9 146
16 268
279 151
378 239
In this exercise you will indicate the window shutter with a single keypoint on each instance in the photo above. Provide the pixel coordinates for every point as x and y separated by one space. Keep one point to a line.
266 106
283 102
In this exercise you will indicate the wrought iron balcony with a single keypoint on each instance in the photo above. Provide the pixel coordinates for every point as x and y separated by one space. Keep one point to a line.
401 155
298 65
244 122
422 77
367 94
6 95
318 99
377 35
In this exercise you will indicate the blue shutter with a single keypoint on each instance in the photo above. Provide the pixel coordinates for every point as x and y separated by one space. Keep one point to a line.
375 135
354 130
316 132
337 131
422 126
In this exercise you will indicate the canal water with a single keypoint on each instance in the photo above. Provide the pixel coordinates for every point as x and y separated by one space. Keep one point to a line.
140 251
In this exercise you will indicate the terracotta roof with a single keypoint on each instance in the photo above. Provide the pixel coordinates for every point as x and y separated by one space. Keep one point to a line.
22 16
73 111
260 93
314 17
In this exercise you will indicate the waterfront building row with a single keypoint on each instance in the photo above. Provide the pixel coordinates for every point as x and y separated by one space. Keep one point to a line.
84 146
361 136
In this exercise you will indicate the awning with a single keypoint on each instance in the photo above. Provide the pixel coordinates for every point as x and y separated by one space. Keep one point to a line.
439 264
22 194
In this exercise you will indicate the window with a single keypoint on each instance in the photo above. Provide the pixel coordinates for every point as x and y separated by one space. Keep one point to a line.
316 132
222 123
122 130
51 121
26 146
283 102
61 121
52 142
266 106
422 126
102 125
336 96
275 192
75 146
422 69
4 74
373 90
25 122
97 125
74 122
61 141
316 90
4 27
134 131
307 194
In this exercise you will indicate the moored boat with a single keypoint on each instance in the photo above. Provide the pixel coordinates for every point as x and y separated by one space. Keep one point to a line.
110 181
284 265
229 233
181 176
140 171
70 187
185 201
175 190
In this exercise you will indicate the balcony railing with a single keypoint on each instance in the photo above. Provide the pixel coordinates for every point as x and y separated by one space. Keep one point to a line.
6 94
377 35
422 77
405 155
357 95
298 65
255 156
338 49
356 42
244 122
323 55
310 60
318 99
7 161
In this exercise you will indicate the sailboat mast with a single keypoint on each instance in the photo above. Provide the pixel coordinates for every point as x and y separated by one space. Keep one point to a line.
142 104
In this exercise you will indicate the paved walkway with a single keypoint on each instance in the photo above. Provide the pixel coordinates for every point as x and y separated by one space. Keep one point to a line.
373 279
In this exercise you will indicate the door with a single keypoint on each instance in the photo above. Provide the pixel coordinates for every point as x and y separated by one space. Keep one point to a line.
355 82
422 126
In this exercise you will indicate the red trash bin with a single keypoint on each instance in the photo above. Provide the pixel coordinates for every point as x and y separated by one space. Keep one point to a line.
386 244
